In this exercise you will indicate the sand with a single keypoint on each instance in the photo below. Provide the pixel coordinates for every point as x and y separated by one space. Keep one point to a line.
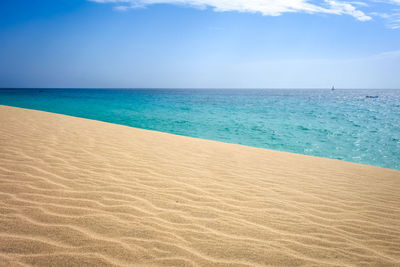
78 192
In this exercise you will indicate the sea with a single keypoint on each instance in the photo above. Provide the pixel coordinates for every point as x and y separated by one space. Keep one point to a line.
361 126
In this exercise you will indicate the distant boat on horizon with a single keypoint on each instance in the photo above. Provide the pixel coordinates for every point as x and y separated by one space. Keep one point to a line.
333 88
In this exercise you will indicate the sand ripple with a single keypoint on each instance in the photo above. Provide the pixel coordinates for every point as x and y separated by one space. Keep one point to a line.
77 192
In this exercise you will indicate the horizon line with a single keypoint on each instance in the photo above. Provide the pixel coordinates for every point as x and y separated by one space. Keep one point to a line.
203 88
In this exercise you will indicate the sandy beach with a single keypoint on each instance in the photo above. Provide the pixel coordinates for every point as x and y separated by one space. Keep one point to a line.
78 192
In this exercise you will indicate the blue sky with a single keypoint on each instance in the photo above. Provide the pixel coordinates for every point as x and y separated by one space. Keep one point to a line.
200 43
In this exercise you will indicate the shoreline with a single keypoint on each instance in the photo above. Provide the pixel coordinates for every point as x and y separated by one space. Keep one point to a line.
76 191
199 138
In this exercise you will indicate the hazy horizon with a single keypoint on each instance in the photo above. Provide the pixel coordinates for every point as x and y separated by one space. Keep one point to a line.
187 88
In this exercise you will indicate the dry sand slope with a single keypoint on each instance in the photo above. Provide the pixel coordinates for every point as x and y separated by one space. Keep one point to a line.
77 192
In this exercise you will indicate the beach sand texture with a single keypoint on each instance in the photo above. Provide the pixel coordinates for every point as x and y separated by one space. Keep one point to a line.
78 192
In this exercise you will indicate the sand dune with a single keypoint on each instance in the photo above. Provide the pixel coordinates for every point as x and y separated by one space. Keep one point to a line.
77 192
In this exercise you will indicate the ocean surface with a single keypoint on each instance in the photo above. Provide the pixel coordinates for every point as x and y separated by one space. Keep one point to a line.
340 124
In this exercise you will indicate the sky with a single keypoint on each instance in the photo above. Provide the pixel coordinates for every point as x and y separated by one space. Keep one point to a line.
199 44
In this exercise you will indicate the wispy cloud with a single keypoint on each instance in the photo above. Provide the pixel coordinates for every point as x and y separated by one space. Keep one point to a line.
389 10
362 10
265 7
392 19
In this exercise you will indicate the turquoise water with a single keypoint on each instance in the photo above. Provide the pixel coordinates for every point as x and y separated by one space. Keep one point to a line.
340 124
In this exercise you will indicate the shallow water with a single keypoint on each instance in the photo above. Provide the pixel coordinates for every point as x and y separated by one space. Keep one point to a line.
340 124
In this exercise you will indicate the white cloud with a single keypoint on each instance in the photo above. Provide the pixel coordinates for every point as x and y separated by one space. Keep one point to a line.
392 19
389 10
265 7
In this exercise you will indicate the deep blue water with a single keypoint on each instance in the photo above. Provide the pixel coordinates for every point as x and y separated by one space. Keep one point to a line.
340 124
